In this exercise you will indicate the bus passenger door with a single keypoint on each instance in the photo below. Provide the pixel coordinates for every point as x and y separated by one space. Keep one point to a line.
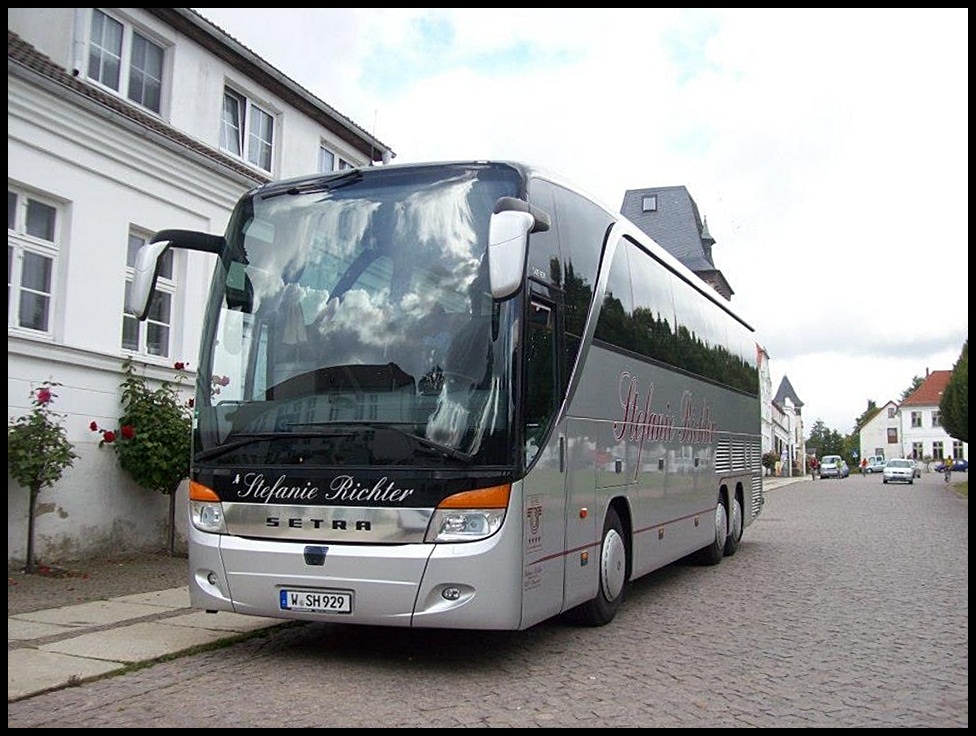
543 494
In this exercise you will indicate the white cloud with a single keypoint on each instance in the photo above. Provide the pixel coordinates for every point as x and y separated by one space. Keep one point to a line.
827 148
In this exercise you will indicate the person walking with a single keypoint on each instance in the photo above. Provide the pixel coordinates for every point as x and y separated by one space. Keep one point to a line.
947 467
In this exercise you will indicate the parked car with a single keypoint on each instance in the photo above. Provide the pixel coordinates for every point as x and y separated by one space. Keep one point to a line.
958 466
875 464
899 470
834 466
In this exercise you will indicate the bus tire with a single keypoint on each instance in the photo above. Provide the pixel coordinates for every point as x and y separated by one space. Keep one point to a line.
735 528
613 576
712 553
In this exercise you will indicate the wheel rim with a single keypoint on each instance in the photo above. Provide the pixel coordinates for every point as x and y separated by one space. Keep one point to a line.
613 564
736 524
721 525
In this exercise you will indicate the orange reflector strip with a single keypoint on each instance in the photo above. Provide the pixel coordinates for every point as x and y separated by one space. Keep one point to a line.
495 497
199 492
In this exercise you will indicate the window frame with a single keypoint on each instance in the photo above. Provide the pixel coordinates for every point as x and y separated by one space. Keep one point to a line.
247 133
21 243
915 418
338 162
125 55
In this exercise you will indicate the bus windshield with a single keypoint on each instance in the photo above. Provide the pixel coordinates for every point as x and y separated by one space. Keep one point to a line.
351 322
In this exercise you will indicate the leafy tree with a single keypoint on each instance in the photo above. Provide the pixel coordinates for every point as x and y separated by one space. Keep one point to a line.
954 404
916 382
153 442
826 441
38 451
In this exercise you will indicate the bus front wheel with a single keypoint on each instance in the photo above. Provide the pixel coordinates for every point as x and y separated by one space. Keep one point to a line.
613 576
713 553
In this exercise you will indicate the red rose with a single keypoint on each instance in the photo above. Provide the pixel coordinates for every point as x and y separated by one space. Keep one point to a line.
189 403
179 365
93 427
43 396
128 431
108 435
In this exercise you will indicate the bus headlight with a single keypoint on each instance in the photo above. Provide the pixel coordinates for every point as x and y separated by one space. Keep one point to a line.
208 516
469 516
464 525
206 511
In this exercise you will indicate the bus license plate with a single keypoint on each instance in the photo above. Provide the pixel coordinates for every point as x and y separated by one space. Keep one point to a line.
316 601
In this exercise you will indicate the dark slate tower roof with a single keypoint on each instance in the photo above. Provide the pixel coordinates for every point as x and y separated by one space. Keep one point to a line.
786 391
670 216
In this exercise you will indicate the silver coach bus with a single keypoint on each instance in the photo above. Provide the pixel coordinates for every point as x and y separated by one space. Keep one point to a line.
457 395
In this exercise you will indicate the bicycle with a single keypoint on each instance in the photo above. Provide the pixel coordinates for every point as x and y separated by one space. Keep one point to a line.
948 473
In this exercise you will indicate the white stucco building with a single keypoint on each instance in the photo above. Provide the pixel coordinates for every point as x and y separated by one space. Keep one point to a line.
120 123
914 428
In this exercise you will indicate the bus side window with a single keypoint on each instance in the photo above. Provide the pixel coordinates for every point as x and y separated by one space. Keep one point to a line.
540 376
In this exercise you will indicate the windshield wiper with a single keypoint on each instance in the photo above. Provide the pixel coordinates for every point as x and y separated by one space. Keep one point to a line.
248 439
427 444
321 184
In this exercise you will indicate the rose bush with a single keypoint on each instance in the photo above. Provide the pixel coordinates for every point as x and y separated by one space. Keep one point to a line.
152 441
38 452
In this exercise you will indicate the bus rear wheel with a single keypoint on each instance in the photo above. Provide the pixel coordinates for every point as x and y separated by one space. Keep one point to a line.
613 576
735 528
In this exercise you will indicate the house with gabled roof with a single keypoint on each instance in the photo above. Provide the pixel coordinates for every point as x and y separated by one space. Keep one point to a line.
881 433
922 435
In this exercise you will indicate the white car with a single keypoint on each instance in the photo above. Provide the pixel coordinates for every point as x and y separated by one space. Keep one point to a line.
834 466
875 464
899 470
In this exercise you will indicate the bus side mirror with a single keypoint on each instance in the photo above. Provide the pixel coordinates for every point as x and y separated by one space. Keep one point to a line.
508 241
146 268
144 274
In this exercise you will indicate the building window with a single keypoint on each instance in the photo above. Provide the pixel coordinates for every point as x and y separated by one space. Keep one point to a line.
936 418
152 336
119 57
937 450
892 435
917 451
246 131
32 254
891 412
649 203
916 419
957 449
329 161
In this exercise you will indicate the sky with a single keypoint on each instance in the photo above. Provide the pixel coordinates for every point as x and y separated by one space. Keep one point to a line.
827 149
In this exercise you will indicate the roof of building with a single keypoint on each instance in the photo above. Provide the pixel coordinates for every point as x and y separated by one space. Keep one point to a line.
784 392
227 48
676 225
27 57
929 393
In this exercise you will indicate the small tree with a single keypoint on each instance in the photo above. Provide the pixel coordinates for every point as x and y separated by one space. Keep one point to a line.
153 440
954 404
38 451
